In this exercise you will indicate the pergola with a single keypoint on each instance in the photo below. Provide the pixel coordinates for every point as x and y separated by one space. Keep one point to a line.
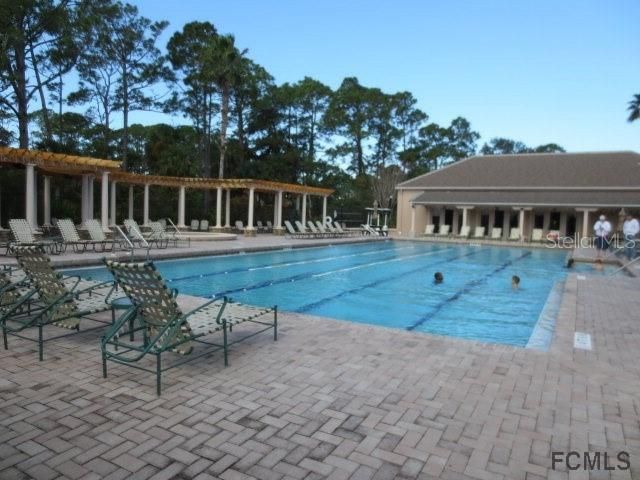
111 174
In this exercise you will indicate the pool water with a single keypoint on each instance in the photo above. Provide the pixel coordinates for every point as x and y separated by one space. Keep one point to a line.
387 283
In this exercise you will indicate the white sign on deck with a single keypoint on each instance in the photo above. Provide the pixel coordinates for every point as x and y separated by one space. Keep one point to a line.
582 341
581 277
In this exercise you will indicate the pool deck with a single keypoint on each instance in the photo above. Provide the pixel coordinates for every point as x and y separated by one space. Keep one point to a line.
336 400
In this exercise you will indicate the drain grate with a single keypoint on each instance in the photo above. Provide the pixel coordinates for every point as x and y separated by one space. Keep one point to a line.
582 341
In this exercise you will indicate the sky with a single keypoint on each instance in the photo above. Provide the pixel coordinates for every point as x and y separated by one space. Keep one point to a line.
537 71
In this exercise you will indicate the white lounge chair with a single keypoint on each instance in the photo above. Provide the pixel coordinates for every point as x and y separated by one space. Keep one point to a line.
195 225
23 235
553 235
204 225
496 233
96 233
479 232
429 229
292 233
239 226
514 234
71 237
536 235
464 231
444 230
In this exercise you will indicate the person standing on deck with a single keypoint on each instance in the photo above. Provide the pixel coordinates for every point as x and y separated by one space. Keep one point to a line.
602 229
630 229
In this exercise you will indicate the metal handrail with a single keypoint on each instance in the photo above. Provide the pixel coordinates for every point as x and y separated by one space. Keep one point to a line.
624 266
178 232
122 234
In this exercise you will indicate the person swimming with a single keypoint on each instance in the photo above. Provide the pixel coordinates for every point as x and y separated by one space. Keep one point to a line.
570 263
515 282
438 277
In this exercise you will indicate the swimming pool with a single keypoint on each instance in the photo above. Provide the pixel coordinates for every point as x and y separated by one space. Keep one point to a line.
387 283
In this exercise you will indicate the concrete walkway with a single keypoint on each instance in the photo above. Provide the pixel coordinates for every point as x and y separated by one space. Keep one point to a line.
337 400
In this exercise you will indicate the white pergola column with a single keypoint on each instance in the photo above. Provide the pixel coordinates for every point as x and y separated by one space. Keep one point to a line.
145 217
181 207
30 195
227 210
112 200
46 211
250 230
90 207
521 225
104 200
218 207
324 210
412 231
304 210
275 210
84 201
278 223
130 212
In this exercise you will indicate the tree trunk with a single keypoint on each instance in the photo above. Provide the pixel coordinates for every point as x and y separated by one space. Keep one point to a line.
45 113
241 134
359 156
20 90
125 118
206 158
224 122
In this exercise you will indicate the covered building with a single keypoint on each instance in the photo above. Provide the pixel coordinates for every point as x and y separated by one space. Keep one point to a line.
44 165
562 192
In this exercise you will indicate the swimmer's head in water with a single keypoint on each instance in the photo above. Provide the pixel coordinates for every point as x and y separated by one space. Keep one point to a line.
438 277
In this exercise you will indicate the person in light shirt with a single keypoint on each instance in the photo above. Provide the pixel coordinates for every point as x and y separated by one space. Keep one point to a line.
602 229
630 229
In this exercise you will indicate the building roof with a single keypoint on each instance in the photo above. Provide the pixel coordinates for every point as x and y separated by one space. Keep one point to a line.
535 171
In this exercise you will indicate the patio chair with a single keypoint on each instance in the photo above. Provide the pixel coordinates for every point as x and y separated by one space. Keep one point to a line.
464 231
301 229
479 232
292 233
341 230
166 328
160 234
444 230
269 226
316 231
330 233
334 231
204 225
70 236
23 237
429 229
496 233
369 230
195 225
261 227
137 237
239 226
97 235
514 234
536 235
62 303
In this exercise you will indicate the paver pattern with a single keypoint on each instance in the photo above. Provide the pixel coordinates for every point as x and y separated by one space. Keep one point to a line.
336 400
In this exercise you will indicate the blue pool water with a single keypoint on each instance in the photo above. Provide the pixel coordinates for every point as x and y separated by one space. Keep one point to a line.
388 284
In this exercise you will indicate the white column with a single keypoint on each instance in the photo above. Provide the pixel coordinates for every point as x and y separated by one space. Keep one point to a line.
304 210
506 224
412 232
112 200
563 223
465 215
324 210
47 200
90 207
130 216
227 210
585 223
84 203
145 218
29 195
275 210
250 215
278 223
454 228
521 225
546 221
219 207
104 200
181 207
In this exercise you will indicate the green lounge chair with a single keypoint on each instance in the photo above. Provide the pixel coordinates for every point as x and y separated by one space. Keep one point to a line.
63 301
23 237
165 327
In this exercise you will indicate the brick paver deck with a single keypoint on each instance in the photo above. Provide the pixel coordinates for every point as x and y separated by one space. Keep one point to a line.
336 400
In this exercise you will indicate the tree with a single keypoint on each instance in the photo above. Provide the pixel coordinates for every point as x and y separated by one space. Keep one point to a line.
506 146
119 63
29 45
634 108
384 185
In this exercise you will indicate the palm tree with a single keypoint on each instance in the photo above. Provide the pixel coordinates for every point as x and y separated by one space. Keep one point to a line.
634 108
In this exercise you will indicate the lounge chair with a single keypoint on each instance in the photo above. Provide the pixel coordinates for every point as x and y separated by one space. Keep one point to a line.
496 233
195 225
479 232
429 229
326 231
204 225
62 304
239 226
316 231
23 237
137 237
261 228
444 231
334 230
343 230
269 226
96 233
553 235
292 233
536 235
464 231
301 229
165 327
71 238
160 234
369 230
514 234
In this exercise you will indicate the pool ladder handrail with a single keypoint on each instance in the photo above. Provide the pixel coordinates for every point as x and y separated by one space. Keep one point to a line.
623 267
131 246
178 233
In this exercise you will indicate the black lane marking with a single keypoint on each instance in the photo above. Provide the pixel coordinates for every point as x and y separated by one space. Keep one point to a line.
309 306
466 289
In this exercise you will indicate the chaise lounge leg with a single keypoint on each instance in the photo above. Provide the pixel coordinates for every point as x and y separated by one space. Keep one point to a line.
224 336
104 365
40 343
4 337
158 373
275 324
